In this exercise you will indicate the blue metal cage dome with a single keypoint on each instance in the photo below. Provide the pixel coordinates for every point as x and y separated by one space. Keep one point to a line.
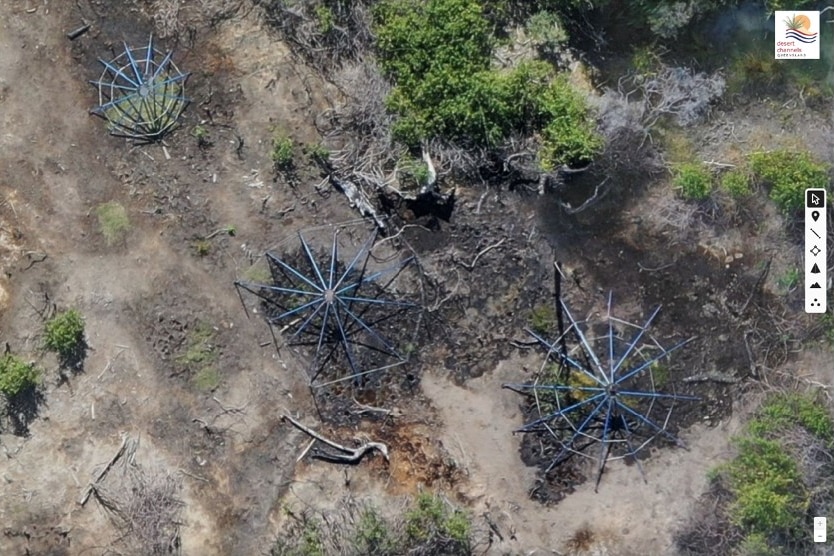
141 93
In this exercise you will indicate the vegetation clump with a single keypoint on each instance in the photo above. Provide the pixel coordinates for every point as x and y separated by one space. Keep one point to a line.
438 55
16 375
693 180
199 355
776 482
282 151
789 173
737 183
113 221
64 334
434 523
431 525
543 319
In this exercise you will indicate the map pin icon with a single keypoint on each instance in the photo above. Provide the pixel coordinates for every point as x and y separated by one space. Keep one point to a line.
815 214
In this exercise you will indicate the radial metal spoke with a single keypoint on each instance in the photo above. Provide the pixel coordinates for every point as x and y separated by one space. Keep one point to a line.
312 261
303 326
298 309
575 364
622 389
140 99
347 332
368 329
636 340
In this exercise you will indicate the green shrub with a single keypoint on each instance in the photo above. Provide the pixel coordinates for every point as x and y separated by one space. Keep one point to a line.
16 375
202 135
64 333
282 151
373 535
202 247
645 60
547 31
755 544
324 18
414 171
207 379
782 411
770 496
431 518
789 173
318 152
543 319
438 52
736 183
112 221
569 136
693 180
198 356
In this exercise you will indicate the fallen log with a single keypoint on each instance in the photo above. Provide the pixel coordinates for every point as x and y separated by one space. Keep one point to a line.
349 455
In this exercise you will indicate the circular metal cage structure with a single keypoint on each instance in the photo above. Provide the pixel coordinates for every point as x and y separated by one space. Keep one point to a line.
598 391
141 93
350 316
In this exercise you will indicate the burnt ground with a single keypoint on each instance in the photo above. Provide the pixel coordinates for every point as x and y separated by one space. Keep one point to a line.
165 288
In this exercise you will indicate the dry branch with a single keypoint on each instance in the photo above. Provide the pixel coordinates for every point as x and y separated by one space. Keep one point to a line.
351 455
358 199
93 485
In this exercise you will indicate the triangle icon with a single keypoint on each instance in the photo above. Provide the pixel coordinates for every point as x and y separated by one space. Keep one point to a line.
815 269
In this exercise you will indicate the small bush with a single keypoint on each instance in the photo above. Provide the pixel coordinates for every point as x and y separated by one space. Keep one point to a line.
16 375
543 319
645 60
318 152
547 31
201 134
569 136
438 54
373 535
693 180
202 247
789 173
207 379
431 522
780 412
282 151
199 355
324 18
64 333
736 183
771 499
112 221
413 171
770 495
755 544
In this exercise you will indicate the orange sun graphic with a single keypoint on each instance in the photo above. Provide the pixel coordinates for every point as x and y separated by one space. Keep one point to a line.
803 22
